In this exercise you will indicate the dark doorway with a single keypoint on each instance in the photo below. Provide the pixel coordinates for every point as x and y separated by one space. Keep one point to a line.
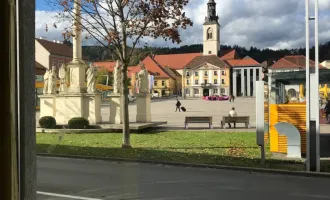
206 92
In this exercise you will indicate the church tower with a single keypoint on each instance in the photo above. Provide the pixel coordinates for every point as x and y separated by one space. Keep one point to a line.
211 31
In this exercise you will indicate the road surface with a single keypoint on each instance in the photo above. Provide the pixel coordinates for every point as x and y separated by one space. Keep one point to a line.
65 179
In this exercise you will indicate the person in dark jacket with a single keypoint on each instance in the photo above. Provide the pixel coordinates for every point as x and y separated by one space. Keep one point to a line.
178 105
327 111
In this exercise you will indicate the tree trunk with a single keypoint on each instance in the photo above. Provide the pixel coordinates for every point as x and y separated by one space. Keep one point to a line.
126 133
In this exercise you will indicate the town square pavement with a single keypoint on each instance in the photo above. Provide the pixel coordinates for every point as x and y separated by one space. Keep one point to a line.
164 110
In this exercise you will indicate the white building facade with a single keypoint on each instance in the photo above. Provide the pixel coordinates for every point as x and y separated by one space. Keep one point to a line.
244 80
205 80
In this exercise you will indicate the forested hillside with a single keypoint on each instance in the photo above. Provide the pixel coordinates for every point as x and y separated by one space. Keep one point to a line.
97 53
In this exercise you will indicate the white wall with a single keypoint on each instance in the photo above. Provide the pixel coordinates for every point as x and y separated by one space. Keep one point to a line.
213 44
42 55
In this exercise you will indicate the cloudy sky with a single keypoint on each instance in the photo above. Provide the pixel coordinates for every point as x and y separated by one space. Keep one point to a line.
271 24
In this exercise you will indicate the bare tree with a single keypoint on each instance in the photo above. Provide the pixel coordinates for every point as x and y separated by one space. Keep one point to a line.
121 25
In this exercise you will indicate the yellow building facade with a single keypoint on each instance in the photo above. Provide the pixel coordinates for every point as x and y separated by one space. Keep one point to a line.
206 76
164 86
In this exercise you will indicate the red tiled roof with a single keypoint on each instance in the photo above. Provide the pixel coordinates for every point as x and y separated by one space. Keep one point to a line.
293 62
245 62
154 67
230 55
56 48
176 61
109 65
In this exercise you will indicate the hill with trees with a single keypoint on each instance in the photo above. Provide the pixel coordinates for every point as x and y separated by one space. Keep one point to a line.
98 53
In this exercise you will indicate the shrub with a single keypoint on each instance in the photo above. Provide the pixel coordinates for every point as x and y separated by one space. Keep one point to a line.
47 122
78 123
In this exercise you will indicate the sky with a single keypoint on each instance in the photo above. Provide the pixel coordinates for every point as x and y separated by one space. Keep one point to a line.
274 24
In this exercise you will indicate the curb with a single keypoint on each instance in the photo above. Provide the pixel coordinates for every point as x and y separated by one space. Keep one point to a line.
222 167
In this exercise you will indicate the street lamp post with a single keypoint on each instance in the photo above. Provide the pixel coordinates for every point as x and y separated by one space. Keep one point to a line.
312 98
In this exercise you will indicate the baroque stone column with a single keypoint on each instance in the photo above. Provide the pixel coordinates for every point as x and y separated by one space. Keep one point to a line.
254 76
242 83
77 67
234 82
248 83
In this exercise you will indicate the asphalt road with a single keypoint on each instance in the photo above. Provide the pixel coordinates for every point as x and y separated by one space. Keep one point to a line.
100 180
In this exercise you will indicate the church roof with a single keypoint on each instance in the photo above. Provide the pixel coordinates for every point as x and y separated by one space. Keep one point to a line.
175 61
245 62
212 59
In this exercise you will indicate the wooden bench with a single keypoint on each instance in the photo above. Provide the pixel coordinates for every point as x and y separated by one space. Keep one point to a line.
235 120
203 119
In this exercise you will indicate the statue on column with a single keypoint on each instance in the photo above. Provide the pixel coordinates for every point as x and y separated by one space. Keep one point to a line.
143 80
62 74
46 78
117 78
91 79
52 81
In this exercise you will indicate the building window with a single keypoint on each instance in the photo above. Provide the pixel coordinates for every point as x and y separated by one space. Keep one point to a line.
54 63
196 91
215 81
209 33
205 73
196 82
163 83
223 72
155 83
210 52
223 91
223 81
215 73
196 73
215 91
188 82
205 81
187 73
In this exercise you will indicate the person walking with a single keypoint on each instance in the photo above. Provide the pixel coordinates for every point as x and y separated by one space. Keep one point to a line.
232 98
178 105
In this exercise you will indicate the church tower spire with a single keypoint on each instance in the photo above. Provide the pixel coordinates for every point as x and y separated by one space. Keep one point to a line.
211 31
211 12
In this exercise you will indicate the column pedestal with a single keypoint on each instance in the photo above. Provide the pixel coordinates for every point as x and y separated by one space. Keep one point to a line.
47 105
77 78
143 106
92 108
63 107
116 111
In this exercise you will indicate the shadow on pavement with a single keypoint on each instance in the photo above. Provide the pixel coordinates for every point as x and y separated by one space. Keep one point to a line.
239 155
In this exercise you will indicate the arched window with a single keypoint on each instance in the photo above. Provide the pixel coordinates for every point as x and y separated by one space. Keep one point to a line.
209 33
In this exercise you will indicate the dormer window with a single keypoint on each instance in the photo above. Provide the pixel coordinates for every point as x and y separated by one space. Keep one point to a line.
209 33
